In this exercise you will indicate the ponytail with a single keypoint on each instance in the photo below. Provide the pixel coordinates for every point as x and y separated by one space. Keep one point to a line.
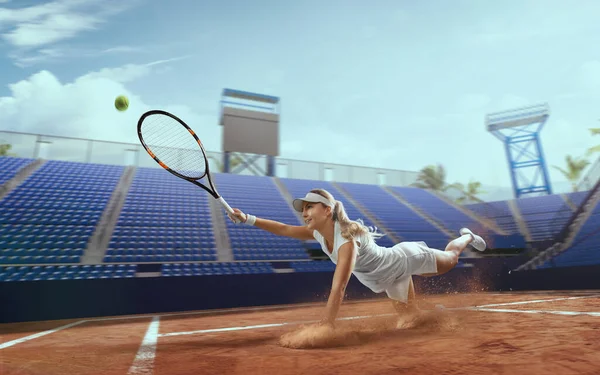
352 228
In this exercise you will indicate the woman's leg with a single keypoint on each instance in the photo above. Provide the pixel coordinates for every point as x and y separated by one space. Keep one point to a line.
448 259
444 260
410 305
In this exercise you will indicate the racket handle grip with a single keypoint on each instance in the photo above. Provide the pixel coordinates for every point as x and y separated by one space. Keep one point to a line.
227 207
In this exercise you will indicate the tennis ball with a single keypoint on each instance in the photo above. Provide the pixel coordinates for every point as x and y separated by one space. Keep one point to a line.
121 103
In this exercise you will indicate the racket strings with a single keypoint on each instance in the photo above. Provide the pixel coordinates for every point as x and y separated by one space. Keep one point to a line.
174 145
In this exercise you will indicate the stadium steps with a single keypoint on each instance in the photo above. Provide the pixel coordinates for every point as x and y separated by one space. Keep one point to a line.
419 212
574 225
451 235
572 205
389 233
514 208
222 241
98 243
21 176
488 223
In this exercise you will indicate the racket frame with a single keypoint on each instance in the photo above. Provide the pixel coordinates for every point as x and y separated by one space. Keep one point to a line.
212 190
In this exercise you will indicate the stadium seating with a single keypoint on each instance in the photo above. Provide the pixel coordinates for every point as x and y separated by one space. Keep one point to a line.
48 220
164 219
497 211
395 216
259 196
52 215
222 268
450 217
9 167
66 272
584 249
578 197
544 216
317 266
299 188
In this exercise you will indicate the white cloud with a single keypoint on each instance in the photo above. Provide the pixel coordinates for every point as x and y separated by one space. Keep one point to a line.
84 108
24 58
52 29
37 26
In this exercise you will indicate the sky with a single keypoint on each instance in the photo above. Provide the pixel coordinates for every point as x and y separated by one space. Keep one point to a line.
393 84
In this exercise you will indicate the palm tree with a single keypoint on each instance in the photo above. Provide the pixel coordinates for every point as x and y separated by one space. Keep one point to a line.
4 148
432 177
575 168
470 193
594 149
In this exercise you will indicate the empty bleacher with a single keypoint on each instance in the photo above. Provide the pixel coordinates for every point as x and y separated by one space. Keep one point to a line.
259 196
47 221
10 167
164 219
52 215
395 216
585 247
221 268
544 216
499 211
67 272
434 207
577 197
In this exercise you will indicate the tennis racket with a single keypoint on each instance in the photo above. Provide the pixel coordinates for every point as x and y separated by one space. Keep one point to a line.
177 148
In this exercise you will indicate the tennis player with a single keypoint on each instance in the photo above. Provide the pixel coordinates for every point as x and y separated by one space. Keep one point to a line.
351 246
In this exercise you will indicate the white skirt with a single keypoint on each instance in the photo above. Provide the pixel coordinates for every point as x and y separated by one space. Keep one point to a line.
405 259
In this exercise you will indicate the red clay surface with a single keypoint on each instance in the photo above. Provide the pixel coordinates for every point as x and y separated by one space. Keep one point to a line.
446 342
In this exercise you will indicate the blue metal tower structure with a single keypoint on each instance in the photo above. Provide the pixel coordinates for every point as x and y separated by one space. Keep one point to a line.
520 129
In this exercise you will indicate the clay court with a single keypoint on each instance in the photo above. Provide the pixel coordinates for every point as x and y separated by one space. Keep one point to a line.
481 333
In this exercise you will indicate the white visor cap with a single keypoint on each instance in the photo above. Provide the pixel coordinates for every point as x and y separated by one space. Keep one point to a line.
313 198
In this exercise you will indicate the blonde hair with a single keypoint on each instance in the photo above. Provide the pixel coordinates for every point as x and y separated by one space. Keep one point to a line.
350 228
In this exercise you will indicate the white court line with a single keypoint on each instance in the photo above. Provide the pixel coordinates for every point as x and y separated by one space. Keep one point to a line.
258 308
472 308
144 359
271 325
39 334
536 301
553 312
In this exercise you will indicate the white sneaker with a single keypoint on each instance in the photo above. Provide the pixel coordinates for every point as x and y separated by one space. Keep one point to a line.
478 243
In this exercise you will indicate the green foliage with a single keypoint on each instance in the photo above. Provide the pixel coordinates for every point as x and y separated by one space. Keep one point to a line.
433 177
5 148
573 170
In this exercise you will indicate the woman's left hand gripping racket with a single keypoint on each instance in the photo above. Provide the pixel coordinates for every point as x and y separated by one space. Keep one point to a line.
177 148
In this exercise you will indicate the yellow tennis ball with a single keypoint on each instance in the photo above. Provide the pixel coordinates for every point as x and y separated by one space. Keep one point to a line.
121 103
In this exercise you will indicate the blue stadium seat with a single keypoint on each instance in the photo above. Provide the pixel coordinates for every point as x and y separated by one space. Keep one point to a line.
271 204
163 219
544 216
499 211
52 215
436 208
11 166
584 249
395 216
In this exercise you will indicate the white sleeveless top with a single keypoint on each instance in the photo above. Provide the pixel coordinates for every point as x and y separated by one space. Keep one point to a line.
376 267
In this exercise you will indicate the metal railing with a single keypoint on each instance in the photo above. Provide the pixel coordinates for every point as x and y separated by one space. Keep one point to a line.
84 150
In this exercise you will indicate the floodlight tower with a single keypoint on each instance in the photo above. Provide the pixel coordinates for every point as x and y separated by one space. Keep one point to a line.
519 129
251 129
